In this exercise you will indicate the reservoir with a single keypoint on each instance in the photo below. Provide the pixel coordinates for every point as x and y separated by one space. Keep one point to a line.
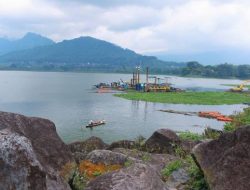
69 100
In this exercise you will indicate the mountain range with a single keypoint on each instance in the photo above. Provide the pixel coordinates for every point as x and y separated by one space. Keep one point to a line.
36 52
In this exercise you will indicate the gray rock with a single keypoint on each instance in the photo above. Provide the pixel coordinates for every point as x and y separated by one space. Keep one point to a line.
107 157
178 179
122 144
188 145
78 156
137 177
31 154
80 149
225 161
162 141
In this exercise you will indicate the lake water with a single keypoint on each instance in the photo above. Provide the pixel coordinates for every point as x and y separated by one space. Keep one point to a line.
70 102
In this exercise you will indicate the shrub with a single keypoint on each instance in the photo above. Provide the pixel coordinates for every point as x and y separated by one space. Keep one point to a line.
211 133
197 180
239 119
171 167
187 135
128 163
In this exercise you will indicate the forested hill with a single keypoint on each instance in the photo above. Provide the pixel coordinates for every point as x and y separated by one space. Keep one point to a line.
85 53
89 54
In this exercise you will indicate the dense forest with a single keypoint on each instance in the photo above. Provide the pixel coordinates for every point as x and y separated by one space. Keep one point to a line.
218 71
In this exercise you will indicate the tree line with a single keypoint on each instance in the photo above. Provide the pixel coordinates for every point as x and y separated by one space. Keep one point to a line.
218 71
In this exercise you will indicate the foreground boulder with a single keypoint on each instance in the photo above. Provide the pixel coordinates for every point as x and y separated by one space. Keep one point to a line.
31 154
226 161
139 176
162 141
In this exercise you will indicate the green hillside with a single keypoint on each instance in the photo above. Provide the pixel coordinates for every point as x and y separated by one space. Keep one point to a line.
84 53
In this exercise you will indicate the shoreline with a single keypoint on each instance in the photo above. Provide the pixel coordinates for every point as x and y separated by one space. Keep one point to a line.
119 72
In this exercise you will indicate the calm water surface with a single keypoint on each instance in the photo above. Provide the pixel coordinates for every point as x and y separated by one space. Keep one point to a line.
70 102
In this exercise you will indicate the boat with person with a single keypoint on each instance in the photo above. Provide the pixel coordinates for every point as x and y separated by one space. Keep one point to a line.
95 123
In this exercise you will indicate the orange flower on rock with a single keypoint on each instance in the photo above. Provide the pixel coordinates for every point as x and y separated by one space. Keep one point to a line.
91 170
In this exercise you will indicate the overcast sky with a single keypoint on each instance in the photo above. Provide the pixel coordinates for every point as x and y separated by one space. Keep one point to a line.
154 26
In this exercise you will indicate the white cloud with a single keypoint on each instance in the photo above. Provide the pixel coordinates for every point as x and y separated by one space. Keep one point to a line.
144 26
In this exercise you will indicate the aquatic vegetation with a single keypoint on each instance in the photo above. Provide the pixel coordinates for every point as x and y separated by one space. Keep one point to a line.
200 98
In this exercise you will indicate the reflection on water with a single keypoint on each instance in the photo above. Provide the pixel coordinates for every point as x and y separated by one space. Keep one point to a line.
68 100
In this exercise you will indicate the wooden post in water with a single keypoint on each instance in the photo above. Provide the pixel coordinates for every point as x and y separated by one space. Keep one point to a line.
138 75
133 78
146 79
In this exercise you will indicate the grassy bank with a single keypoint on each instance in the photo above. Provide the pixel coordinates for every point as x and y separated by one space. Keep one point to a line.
201 98
239 119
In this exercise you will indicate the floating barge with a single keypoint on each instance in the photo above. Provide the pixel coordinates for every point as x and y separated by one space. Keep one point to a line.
136 84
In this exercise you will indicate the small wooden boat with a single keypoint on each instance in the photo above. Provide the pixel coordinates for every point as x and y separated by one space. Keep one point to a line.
104 90
95 123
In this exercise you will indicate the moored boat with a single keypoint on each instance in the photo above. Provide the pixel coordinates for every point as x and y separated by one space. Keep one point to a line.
95 123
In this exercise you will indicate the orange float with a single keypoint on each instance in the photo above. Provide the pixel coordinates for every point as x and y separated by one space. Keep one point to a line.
215 115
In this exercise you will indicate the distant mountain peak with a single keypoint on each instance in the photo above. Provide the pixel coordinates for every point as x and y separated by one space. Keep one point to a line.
90 41
31 35
28 41
35 36
88 38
